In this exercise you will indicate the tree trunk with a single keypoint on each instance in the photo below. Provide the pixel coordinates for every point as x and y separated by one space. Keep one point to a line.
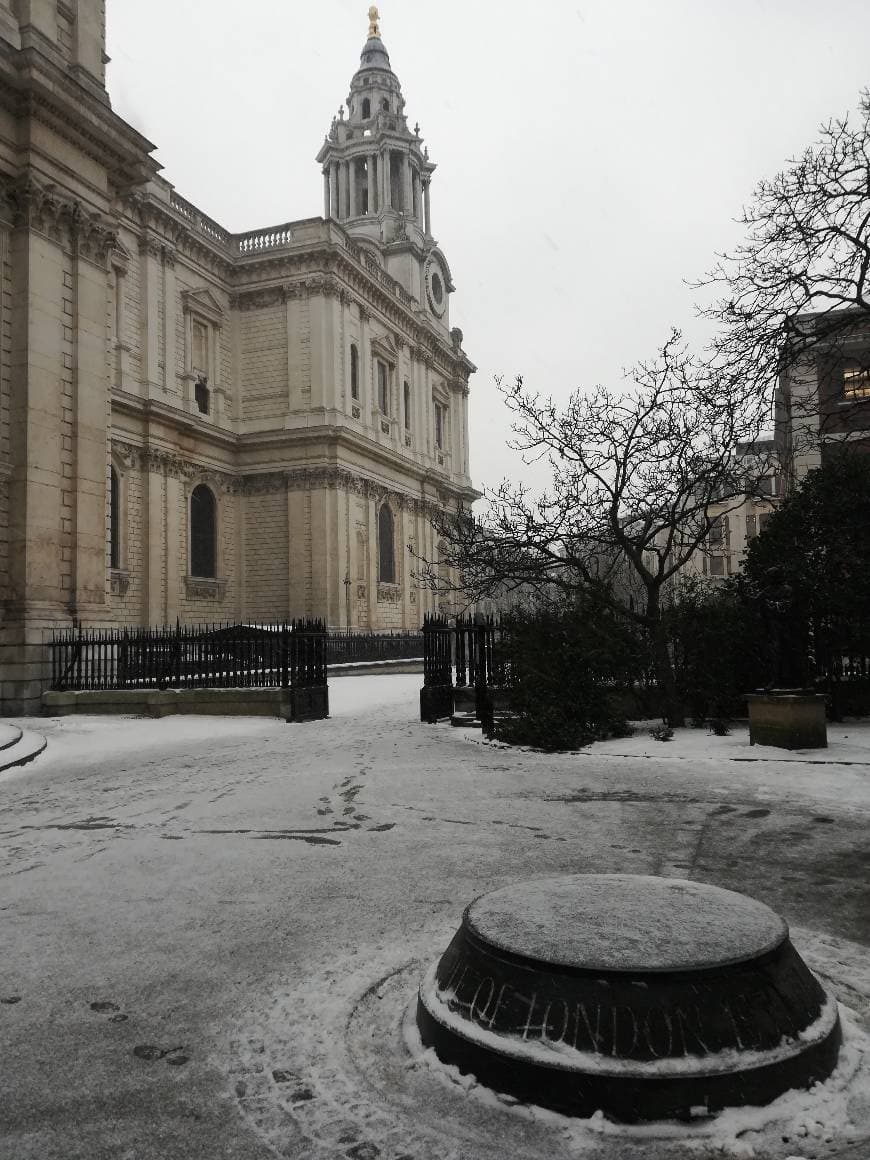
667 682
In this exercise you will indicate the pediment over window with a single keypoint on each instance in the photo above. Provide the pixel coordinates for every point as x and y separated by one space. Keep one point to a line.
202 302
119 255
383 346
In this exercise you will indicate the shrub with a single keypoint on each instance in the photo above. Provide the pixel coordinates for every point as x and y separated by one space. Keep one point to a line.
566 665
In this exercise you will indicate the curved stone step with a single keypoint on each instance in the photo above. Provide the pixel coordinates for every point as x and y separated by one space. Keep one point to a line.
9 735
28 746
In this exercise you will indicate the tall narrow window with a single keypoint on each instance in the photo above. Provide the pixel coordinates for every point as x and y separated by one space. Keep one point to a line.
354 371
202 396
440 425
203 532
114 519
366 108
407 405
199 352
386 547
383 388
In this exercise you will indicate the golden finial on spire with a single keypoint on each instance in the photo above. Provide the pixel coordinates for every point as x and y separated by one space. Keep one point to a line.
374 27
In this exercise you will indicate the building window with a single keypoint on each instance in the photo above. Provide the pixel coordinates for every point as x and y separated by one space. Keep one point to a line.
440 425
767 485
354 371
366 109
199 348
203 532
386 546
114 519
856 380
751 527
383 387
407 405
202 397
718 535
717 566
385 104
762 521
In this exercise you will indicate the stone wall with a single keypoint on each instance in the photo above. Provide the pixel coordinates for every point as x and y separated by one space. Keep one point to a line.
263 353
266 569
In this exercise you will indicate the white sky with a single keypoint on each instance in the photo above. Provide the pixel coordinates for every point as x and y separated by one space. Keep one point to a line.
591 156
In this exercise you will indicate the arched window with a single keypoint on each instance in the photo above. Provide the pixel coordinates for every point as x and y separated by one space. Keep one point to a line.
366 109
114 519
203 532
354 371
385 104
386 546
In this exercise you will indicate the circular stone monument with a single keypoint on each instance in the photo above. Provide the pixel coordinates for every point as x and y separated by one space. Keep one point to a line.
647 998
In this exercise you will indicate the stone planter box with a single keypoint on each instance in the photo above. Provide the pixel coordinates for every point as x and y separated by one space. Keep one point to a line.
788 719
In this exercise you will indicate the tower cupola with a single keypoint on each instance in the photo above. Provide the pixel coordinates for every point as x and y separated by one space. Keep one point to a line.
376 172
376 176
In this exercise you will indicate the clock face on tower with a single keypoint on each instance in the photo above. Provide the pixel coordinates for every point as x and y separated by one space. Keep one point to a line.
436 288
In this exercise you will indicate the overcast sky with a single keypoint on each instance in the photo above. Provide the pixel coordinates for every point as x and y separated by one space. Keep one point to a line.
591 155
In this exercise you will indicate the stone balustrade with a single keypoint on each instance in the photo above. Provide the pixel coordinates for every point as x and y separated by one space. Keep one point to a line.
257 241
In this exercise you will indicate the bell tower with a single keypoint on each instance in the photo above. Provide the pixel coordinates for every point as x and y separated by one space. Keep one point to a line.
377 173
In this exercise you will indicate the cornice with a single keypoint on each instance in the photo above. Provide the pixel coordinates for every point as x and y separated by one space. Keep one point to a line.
32 86
313 477
64 219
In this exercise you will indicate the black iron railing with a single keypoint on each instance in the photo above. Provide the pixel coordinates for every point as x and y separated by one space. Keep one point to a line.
358 647
225 656
470 654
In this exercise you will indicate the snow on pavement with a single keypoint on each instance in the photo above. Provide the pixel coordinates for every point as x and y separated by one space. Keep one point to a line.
186 900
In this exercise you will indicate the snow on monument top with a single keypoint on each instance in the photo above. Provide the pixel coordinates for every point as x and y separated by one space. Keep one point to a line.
625 922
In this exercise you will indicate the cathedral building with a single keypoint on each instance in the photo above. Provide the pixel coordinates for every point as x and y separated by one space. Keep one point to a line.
201 425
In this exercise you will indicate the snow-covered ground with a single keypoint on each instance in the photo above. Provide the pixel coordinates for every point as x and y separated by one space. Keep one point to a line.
211 930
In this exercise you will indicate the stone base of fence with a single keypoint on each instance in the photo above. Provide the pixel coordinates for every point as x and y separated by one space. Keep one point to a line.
436 703
374 668
166 702
311 704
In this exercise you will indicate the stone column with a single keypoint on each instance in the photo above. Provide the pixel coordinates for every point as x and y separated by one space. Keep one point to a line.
90 433
365 368
218 393
333 190
151 278
427 217
178 544
170 292
342 191
153 539
466 465
388 180
372 584
373 188
326 194
407 186
351 176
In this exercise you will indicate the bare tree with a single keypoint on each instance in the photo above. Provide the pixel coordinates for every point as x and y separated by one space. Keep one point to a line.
796 295
634 479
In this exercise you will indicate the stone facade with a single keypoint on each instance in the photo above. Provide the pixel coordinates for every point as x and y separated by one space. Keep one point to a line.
301 381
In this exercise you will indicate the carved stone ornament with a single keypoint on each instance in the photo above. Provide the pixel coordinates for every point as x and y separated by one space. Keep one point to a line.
202 588
119 582
389 593
63 219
